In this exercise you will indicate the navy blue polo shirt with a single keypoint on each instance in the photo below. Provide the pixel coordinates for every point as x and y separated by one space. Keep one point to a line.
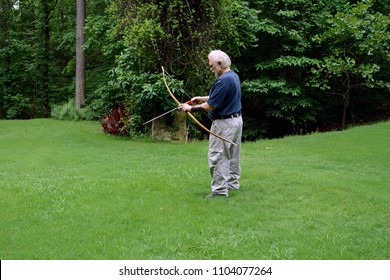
225 95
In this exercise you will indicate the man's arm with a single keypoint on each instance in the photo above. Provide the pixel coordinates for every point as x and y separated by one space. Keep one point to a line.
199 99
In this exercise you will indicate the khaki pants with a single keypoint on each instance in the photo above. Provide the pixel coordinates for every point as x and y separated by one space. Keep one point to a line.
223 157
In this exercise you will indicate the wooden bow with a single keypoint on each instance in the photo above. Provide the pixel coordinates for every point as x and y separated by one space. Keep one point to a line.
190 115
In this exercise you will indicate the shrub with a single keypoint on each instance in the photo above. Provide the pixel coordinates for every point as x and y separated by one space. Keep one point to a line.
68 111
17 106
116 122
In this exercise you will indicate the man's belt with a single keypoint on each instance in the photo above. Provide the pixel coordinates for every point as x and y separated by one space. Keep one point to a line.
235 115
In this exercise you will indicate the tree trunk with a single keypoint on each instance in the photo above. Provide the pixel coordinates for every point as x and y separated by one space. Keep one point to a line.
346 97
45 65
80 56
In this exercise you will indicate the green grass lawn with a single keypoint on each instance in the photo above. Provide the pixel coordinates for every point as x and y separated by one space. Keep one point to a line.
67 191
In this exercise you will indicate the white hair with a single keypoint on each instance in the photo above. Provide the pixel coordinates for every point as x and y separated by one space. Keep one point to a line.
220 56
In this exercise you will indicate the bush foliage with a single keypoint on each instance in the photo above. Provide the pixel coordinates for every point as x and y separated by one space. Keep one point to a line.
68 111
116 122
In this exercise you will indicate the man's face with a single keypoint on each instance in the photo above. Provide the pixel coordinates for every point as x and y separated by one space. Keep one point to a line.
215 67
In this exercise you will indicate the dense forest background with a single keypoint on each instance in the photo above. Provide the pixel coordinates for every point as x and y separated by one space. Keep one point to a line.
304 65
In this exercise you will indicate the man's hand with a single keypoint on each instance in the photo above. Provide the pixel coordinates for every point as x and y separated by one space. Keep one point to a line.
185 107
199 100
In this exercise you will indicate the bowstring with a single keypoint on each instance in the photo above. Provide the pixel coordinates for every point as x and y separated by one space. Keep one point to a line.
182 90
177 86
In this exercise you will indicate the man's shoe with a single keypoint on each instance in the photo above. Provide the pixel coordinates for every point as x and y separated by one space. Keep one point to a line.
213 195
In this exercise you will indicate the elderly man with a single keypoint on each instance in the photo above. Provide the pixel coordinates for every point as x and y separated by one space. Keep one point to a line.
223 105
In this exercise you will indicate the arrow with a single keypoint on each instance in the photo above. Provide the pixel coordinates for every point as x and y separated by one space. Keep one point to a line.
170 111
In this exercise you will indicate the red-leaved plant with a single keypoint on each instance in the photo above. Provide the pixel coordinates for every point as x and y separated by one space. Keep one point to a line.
116 122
